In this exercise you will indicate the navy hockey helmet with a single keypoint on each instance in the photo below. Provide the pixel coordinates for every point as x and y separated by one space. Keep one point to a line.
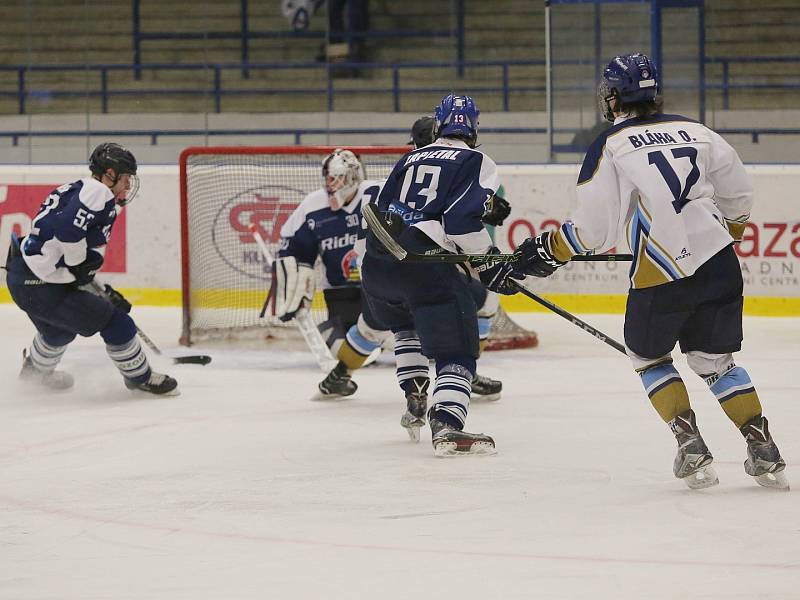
628 78
457 116
422 132
113 156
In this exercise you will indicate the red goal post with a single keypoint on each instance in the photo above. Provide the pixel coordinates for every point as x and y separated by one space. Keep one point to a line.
224 278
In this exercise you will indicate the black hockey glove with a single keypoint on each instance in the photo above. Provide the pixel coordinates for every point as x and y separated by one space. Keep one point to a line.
117 299
536 256
497 276
497 211
84 272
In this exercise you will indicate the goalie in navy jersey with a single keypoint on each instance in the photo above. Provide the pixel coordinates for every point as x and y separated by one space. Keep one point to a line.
440 192
682 195
50 275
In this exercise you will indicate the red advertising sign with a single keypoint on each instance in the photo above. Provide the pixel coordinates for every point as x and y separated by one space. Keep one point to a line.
20 203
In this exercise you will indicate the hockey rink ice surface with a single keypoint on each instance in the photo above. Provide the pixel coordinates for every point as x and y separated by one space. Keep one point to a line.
244 488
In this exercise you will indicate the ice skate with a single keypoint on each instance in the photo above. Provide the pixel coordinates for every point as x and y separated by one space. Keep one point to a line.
764 462
58 381
693 461
485 388
337 384
416 406
159 384
450 441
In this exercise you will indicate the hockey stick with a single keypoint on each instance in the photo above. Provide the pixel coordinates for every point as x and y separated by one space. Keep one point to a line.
569 317
308 329
192 359
383 231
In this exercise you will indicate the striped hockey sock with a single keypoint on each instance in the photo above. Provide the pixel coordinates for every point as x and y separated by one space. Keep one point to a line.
408 357
451 394
130 360
736 395
44 356
666 390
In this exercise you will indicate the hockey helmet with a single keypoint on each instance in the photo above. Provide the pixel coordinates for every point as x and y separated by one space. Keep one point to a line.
109 155
457 116
422 132
628 78
343 172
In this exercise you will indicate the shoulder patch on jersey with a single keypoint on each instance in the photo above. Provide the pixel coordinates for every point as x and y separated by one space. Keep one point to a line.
94 195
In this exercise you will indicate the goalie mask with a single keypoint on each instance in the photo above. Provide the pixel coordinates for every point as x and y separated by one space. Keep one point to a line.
343 172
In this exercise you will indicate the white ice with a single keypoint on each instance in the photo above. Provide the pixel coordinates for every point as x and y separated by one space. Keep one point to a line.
243 488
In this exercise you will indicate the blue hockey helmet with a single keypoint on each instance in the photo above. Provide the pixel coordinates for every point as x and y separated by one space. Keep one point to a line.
628 78
457 116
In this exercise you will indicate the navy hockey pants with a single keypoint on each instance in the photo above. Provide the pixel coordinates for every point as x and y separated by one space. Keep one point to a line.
432 298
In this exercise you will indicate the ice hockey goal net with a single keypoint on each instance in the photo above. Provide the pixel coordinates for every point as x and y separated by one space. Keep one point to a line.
224 191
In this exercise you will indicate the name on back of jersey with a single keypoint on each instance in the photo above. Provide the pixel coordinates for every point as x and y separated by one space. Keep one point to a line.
440 154
654 138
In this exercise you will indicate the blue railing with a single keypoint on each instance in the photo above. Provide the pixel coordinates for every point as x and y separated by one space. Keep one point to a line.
244 34
299 133
218 91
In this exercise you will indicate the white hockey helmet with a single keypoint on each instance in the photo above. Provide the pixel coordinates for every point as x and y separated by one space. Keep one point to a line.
343 172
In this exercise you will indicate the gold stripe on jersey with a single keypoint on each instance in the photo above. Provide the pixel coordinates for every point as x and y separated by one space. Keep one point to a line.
662 251
645 271
560 247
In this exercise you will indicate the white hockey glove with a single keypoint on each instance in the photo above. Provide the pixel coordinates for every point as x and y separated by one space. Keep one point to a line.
294 287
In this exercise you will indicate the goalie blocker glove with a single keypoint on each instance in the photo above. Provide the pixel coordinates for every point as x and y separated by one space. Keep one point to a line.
537 257
294 287
498 276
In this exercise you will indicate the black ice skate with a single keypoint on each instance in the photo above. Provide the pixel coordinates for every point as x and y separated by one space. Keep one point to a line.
693 461
159 384
337 384
58 381
485 388
450 441
764 461
416 406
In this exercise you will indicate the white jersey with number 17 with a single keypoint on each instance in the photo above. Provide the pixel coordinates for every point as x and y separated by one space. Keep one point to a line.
672 186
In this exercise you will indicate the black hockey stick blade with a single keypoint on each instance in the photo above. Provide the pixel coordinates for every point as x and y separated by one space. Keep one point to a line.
383 231
194 359
570 317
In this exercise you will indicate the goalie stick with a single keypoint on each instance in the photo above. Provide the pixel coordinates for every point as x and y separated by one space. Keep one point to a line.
308 329
192 359
383 231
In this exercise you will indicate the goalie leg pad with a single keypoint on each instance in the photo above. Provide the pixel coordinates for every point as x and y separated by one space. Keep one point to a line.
294 287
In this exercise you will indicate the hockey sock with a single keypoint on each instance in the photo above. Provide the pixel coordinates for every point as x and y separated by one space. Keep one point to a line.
736 395
355 349
451 392
666 390
409 358
45 357
130 360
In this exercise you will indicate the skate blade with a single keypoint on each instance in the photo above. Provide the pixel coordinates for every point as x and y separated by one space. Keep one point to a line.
320 397
777 480
486 397
477 448
704 477
413 432
146 394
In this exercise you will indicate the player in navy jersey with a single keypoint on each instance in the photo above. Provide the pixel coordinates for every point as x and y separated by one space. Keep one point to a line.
441 191
683 196
50 272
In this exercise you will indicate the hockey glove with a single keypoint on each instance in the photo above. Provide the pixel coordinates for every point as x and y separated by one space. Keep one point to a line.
497 276
117 299
84 272
497 210
536 256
